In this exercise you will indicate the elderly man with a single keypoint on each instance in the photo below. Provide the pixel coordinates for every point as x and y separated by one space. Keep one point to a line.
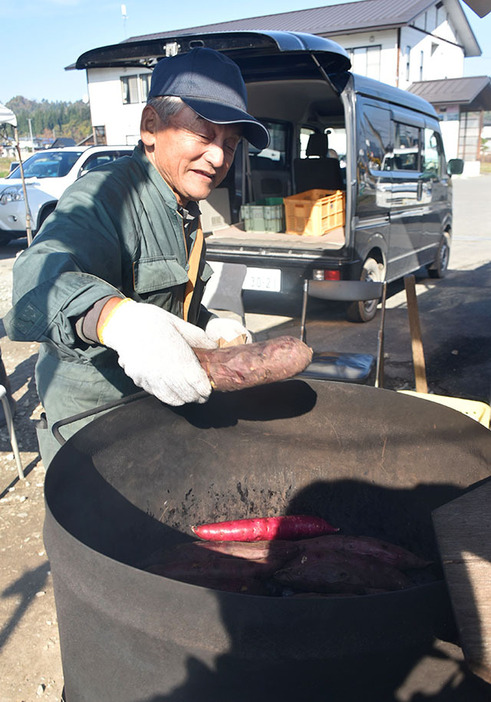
112 285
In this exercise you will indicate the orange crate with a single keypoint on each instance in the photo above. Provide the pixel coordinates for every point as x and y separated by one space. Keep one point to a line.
314 212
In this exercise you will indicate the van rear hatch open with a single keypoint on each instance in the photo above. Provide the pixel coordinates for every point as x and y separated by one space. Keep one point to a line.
257 53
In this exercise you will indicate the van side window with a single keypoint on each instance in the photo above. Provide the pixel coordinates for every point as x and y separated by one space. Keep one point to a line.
305 133
275 156
406 148
433 153
375 133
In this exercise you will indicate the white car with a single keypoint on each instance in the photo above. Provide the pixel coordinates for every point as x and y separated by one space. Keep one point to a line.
47 173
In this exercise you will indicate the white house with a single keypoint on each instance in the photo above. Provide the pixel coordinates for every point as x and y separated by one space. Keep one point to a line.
399 42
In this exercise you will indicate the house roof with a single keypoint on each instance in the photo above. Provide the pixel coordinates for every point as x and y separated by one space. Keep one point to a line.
346 18
472 91
480 7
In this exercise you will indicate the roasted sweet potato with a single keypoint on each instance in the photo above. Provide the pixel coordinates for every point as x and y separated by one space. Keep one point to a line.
364 546
247 365
340 572
279 551
215 565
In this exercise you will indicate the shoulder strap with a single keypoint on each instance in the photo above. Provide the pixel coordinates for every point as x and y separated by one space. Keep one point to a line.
193 261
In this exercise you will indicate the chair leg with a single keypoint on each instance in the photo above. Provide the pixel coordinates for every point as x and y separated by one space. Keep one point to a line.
379 372
421 383
11 430
305 297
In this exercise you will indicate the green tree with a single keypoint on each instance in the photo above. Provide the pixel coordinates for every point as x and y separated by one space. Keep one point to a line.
68 119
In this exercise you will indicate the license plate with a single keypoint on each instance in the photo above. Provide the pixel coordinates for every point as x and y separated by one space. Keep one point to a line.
265 279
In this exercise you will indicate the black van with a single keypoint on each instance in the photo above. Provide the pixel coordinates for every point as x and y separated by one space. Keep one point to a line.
377 147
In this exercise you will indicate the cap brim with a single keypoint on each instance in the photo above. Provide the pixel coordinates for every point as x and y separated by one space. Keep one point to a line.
218 113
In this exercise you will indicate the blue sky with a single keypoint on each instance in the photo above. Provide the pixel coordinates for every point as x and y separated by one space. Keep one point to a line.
41 37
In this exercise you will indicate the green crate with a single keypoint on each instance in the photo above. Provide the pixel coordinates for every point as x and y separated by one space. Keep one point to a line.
266 215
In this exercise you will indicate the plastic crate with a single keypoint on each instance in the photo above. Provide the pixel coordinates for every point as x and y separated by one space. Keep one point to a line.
265 215
314 212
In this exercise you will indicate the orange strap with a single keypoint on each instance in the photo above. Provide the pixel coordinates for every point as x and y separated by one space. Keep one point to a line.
193 261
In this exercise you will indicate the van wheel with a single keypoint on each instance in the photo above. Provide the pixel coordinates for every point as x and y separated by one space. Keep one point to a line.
365 310
439 267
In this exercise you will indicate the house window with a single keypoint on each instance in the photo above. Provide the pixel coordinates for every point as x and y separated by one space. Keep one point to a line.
469 135
421 61
129 89
408 63
134 89
100 135
144 86
366 60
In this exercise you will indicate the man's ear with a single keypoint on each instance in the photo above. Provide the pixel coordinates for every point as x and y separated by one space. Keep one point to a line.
149 126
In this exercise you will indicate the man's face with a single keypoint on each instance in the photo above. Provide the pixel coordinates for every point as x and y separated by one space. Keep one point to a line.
190 153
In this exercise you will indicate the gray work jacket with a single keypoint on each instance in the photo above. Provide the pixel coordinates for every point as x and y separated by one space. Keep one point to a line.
116 231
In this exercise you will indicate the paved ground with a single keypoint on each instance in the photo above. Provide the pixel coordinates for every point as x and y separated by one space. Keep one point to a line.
455 319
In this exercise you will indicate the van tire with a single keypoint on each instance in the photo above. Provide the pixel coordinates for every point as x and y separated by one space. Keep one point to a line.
439 267
365 310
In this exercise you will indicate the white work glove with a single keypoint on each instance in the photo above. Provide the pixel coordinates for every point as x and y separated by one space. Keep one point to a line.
154 348
227 329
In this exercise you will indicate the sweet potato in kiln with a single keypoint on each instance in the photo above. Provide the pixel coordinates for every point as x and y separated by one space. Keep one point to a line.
247 365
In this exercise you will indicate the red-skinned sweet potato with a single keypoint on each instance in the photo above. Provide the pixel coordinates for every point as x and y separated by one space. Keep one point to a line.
247 365
287 527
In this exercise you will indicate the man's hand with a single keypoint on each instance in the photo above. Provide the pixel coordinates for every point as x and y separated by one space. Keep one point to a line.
227 329
154 348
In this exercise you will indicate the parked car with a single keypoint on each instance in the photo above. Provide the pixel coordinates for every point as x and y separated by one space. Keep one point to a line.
47 173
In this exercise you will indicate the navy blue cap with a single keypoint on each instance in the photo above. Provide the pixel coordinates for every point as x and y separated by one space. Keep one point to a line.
211 84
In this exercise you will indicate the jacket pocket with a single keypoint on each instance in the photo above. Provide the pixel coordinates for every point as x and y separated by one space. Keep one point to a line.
159 273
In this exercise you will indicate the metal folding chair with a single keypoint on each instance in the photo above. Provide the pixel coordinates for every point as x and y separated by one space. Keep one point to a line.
348 367
10 426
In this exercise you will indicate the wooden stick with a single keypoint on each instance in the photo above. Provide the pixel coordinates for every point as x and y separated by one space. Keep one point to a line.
421 384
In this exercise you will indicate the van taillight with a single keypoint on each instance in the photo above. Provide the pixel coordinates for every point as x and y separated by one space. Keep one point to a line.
320 274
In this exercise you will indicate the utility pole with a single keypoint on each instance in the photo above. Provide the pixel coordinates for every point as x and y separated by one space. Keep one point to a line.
30 131
125 17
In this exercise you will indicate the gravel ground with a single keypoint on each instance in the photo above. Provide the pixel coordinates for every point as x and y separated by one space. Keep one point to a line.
30 664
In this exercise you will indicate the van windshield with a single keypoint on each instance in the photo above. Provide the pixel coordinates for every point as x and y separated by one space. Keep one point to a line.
53 164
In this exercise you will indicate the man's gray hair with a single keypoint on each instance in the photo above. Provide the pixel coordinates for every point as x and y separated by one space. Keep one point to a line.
166 106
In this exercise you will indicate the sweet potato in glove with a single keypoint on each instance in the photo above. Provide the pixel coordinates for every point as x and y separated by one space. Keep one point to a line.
247 365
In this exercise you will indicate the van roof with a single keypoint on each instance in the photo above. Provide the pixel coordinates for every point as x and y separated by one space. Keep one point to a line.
388 93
